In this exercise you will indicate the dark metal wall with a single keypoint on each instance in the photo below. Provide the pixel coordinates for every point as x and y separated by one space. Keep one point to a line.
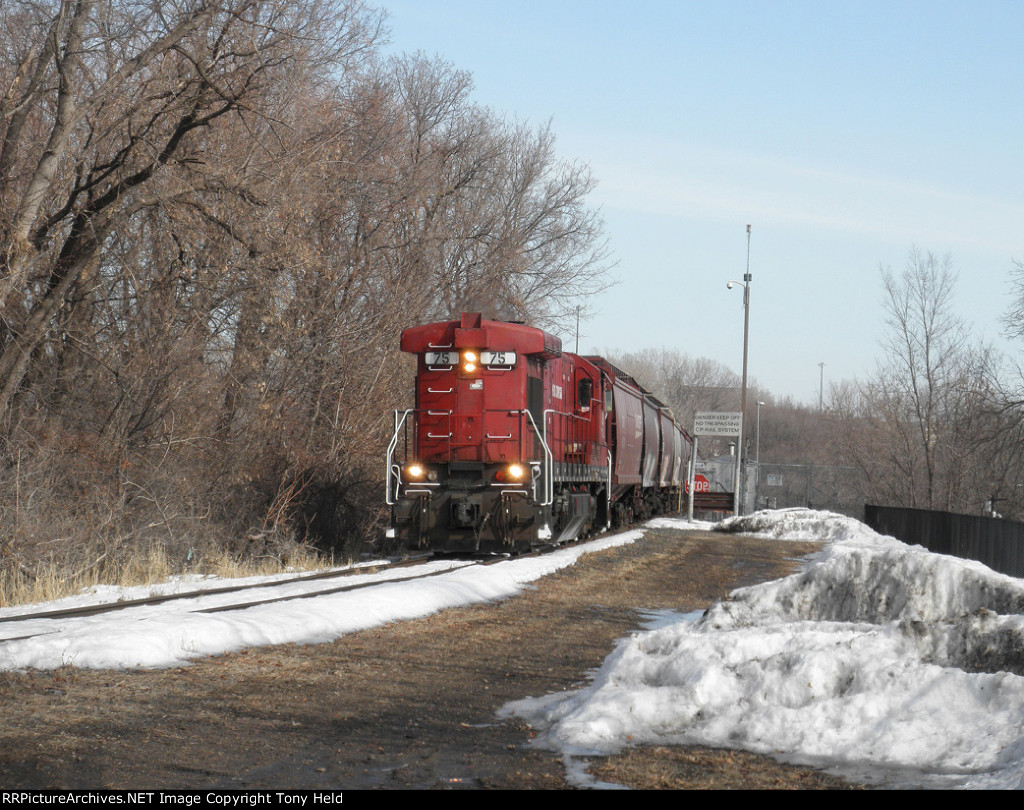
997 543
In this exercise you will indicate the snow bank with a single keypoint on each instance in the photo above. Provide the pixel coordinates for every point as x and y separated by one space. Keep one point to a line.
879 660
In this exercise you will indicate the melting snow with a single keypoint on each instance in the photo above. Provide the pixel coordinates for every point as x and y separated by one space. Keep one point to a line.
879 660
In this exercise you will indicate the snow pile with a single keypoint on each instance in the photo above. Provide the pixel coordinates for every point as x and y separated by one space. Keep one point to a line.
880 660
797 524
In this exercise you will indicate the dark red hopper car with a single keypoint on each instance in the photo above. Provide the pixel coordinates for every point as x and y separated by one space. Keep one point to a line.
515 444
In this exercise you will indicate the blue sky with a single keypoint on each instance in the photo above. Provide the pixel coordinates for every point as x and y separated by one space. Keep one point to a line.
845 134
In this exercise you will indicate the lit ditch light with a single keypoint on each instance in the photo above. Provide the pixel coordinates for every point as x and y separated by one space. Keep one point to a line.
417 472
513 473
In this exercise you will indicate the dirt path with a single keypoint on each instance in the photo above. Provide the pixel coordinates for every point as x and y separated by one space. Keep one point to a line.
408 705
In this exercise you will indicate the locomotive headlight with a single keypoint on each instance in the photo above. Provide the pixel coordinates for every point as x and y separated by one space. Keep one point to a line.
513 472
469 361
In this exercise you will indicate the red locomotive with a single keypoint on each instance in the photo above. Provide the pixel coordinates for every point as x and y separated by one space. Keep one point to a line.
515 444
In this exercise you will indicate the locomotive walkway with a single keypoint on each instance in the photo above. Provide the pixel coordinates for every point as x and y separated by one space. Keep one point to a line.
408 705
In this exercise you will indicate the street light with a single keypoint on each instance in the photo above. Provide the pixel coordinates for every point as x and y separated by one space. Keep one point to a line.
743 391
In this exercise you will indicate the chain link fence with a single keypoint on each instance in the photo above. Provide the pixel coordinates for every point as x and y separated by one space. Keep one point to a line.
780 486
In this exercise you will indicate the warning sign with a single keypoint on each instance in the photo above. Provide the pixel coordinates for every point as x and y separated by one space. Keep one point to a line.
700 484
718 423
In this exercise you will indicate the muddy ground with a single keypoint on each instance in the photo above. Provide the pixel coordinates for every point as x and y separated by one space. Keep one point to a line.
408 705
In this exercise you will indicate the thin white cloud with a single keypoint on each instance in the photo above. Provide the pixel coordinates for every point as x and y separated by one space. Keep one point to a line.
720 185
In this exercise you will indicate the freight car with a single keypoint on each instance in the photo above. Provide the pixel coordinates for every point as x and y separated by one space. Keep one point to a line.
515 444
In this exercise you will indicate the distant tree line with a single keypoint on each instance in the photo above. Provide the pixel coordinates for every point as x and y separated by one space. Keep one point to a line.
216 216
939 424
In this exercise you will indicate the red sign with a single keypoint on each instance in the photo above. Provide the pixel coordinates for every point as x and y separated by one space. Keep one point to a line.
700 484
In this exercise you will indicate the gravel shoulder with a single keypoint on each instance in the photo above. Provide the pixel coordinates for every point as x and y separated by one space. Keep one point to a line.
406 705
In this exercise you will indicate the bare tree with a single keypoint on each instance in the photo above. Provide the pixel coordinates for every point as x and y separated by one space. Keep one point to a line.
1013 320
926 429
923 368
687 384
503 223
140 146
111 107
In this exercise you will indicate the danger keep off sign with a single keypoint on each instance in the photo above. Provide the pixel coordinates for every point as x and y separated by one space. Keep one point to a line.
718 423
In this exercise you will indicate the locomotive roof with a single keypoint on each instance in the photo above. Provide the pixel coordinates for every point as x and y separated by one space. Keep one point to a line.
473 332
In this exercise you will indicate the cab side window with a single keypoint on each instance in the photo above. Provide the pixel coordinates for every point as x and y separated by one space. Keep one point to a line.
584 393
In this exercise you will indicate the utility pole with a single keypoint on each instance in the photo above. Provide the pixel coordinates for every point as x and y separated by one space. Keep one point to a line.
577 329
737 485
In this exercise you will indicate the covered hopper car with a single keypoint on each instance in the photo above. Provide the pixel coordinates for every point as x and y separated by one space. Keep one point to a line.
514 444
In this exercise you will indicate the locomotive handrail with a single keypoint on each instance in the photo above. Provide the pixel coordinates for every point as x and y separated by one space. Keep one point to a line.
393 472
574 440
391 469
608 493
575 416
549 463
568 413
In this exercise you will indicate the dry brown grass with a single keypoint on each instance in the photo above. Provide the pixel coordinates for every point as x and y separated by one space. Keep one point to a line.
694 767
48 580
72 519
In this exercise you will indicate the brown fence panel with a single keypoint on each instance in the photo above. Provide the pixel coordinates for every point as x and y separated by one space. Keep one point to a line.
713 502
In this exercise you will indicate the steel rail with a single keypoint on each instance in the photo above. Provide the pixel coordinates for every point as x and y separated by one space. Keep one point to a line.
109 607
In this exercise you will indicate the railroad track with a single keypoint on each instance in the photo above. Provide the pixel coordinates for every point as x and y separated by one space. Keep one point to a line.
247 590
110 607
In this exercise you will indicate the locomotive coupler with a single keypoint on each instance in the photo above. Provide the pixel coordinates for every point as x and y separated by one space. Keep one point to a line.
464 513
